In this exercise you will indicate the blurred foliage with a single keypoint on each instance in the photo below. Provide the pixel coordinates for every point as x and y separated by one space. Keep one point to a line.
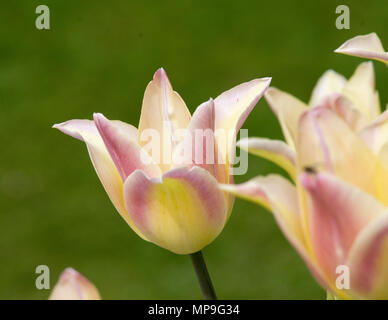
98 57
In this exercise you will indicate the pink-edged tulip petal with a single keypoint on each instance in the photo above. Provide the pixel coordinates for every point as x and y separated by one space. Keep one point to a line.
125 152
368 260
344 108
288 109
329 83
276 194
183 211
279 196
325 141
231 109
338 212
129 130
366 46
375 134
273 150
85 130
163 111
199 145
360 89
74 286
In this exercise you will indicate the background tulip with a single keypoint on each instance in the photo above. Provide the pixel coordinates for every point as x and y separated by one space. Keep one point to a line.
74 286
334 212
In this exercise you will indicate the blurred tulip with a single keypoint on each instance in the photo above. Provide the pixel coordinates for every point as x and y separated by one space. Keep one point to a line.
335 213
177 206
74 286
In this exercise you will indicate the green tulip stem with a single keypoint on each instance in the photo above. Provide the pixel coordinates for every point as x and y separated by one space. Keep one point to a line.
203 276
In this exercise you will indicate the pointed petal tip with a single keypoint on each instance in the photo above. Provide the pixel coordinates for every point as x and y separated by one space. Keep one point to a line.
61 126
266 79
160 74
98 115
70 270
333 73
100 120
66 128
160 77
72 285
68 273
209 101
340 48
260 81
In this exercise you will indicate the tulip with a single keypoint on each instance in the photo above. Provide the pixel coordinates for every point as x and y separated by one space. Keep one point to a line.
176 205
177 208
334 209
74 286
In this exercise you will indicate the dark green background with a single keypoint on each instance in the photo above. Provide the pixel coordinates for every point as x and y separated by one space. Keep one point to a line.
98 57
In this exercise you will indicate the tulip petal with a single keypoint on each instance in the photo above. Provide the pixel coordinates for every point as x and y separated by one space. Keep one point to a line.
338 212
344 108
232 108
279 196
325 141
368 260
274 150
163 111
366 46
288 109
199 146
375 134
183 211
74 286
330 82
125 152
360 89
85 130
380 175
